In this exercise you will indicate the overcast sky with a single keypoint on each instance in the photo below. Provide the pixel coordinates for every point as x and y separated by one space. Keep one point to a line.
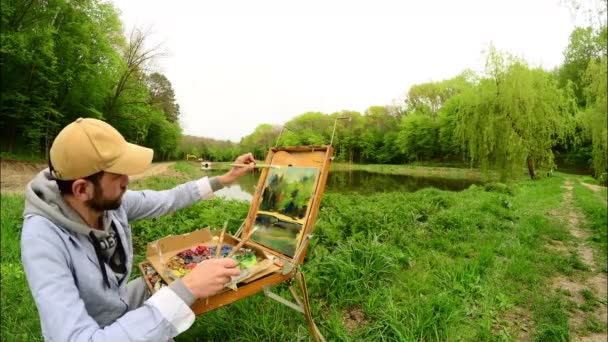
237 64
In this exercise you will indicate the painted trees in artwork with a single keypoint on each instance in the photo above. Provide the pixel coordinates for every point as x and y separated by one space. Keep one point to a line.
288 191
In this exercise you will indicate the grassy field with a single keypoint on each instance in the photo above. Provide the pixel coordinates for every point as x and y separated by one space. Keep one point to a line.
476 265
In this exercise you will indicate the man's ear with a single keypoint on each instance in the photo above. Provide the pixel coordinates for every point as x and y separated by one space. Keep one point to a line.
82 189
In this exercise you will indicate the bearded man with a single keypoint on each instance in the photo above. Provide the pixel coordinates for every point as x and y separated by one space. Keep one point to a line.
76 244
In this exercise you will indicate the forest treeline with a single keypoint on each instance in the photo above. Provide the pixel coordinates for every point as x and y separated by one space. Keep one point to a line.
61 60
508 117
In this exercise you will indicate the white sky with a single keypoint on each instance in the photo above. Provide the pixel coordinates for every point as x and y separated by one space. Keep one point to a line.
237 64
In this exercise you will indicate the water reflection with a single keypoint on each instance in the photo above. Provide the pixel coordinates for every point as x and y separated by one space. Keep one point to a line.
369 182
351 181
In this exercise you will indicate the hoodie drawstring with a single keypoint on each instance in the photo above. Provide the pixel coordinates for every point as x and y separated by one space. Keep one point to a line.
102 265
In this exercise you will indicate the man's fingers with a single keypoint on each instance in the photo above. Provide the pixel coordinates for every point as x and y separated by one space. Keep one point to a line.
245 158
227 262
232 272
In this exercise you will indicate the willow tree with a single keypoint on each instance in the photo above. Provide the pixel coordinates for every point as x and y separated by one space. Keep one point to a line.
513 116
594 117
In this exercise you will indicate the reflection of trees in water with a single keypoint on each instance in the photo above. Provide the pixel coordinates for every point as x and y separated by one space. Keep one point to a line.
368 182
268 222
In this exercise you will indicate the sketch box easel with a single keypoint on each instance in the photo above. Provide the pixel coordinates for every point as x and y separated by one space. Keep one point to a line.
280 205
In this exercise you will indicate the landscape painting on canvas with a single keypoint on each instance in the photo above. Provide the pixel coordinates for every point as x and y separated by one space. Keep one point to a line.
282 213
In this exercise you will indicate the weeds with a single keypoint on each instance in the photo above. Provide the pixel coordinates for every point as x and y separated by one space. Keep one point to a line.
430 265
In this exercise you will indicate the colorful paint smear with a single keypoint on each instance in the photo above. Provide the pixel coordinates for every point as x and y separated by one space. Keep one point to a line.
282 213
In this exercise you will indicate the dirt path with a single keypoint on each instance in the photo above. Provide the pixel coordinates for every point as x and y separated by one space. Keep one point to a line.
154 170
580 288
14 175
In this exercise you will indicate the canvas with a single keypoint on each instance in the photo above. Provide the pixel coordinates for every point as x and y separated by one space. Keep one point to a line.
282 213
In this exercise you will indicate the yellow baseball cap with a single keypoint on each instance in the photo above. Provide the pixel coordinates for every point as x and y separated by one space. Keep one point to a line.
87 146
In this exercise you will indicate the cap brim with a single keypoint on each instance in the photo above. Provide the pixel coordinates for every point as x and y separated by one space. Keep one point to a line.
136 159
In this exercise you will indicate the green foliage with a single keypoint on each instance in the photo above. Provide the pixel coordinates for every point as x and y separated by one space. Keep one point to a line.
61 62
594 118
19 316
58 64
429 98
584 69
163 96
446 122
515 115
418 136
261 140
585 45
164 136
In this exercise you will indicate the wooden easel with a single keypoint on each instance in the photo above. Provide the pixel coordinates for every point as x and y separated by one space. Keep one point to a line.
301 305
298 156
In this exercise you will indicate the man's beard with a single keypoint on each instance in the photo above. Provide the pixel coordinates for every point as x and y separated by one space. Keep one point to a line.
101 204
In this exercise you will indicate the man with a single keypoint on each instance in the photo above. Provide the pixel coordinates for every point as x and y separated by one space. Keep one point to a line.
76 243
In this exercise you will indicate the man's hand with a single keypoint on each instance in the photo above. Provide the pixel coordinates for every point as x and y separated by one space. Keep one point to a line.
238 171
210 276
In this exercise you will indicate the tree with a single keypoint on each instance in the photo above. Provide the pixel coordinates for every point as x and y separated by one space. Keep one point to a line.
311 128
593 118
136 56
377 138
261 140
446 125
417 138
346 139
428 98
163 96
57 63
425 98
585 45
164 137
513 116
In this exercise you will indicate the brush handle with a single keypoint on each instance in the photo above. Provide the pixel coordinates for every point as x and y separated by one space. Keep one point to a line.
257 166
237 247
218 249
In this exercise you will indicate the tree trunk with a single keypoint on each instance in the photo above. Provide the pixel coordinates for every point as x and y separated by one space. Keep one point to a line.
531 168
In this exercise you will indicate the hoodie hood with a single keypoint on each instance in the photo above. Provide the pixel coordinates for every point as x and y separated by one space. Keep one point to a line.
42 197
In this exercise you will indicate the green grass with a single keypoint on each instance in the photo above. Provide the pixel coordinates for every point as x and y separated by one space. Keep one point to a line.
593 205
429 265
19 315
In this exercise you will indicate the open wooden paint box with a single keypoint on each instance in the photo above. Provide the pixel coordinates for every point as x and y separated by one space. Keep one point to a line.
278 228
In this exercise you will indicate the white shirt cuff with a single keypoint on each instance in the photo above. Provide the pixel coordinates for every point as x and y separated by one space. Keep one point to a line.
173 309
204 188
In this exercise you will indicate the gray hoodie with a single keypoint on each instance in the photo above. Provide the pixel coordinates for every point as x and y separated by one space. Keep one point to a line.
75 300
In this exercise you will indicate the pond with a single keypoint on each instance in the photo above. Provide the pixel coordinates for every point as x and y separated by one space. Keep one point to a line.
351 181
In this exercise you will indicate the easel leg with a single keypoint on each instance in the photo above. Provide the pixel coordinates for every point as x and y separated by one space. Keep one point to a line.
300 305
316 334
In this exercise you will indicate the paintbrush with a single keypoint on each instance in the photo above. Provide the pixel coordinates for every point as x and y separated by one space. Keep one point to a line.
218 249
240 244
257 166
